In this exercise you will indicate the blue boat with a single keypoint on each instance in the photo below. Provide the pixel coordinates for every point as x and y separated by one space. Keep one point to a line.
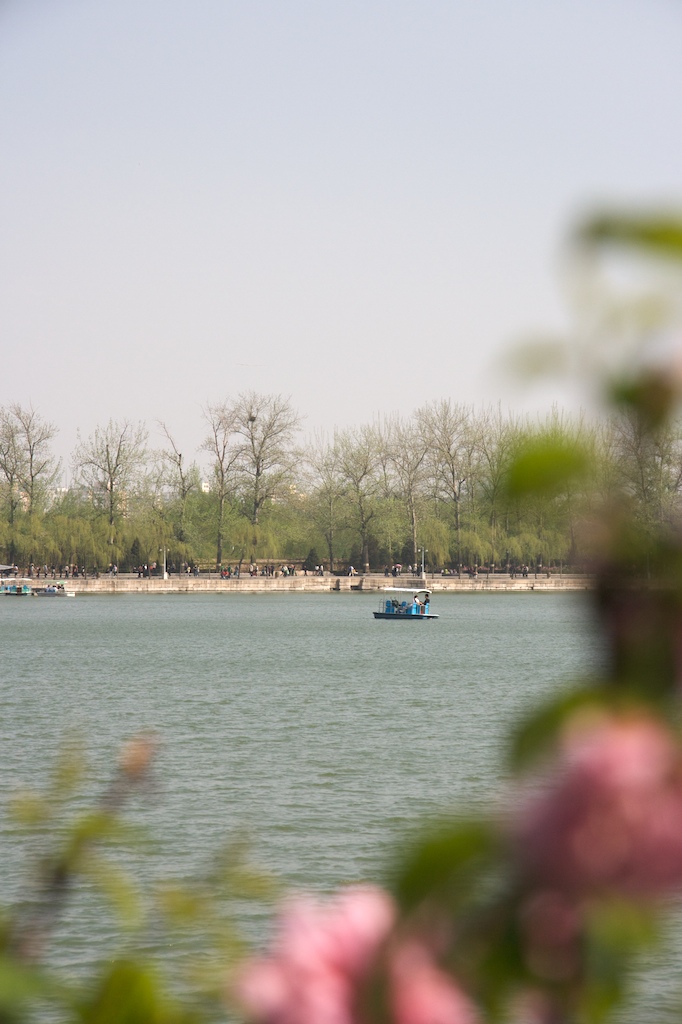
15 588
399 606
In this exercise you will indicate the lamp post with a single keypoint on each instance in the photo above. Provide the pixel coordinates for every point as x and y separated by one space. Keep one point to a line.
165 574
423 551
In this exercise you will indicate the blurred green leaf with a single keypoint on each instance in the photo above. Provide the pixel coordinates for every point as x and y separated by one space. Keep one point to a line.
129 994
445 863
69 770
21 985
30 809
96 826
544 467
492 961
656 233
622 927
618 931
652 396
117 887
93 828
537 358
535 736
234 872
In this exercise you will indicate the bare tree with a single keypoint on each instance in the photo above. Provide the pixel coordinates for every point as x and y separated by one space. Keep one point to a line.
326 501
358 454
27 465
268 425
451 443
40 468
225 446
182 478
497 442
406 447
650 465
13 468
107 464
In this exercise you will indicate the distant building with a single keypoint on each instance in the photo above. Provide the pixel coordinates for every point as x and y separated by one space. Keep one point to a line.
54 495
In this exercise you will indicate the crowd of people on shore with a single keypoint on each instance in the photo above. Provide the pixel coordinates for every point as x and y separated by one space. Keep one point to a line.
56 571
154 569
228 572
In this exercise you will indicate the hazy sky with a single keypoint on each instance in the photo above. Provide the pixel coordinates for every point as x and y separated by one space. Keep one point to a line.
357 204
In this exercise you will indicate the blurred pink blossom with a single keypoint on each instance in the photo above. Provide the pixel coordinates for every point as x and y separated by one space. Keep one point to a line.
612 818
324 954
421 993
320 954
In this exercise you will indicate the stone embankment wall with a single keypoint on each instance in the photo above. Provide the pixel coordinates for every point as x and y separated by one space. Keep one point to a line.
320 584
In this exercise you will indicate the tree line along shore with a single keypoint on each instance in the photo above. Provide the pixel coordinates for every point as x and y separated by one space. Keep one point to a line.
441 484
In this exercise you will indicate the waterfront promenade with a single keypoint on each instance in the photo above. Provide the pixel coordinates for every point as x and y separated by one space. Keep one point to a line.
212 584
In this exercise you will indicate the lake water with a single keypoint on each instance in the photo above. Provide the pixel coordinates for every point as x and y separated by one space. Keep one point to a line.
325 733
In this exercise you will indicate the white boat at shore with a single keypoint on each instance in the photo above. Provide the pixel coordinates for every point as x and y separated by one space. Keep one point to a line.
52 590
416 607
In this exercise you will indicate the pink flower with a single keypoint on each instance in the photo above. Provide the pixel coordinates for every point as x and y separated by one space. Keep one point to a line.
322 959
320 954
612 819
422 994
